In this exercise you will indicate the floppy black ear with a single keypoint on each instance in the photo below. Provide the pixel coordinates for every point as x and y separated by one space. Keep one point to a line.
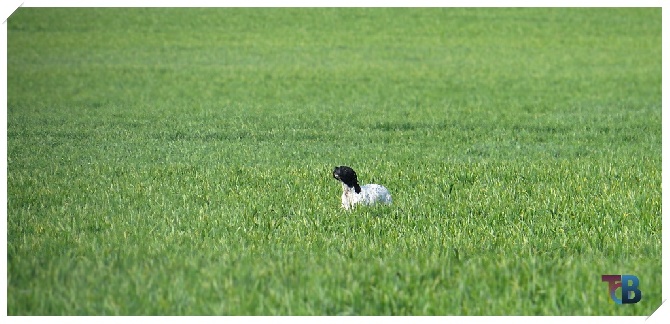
348 176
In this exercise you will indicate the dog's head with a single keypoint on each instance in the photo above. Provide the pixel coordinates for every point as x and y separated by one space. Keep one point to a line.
348 176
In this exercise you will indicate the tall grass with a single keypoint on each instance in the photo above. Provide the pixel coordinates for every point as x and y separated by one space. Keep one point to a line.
177 161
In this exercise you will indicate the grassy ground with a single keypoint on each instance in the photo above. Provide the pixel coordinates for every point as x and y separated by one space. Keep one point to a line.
177 161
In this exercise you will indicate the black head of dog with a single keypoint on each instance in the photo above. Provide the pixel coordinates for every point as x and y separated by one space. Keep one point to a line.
348 176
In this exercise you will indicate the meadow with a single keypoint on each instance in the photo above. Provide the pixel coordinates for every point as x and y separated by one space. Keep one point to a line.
167 161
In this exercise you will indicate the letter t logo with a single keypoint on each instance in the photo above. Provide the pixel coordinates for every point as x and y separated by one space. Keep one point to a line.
614 282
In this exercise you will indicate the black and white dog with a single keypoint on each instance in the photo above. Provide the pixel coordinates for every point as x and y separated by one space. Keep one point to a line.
355 194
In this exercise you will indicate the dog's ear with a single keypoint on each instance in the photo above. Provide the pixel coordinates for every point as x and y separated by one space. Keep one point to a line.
348 176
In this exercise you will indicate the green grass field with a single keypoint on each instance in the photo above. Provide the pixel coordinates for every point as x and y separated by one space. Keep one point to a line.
178 161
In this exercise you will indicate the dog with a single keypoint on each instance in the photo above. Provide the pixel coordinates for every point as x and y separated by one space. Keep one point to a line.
354 194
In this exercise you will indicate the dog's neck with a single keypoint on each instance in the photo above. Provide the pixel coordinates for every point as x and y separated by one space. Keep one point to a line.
348 190
355 189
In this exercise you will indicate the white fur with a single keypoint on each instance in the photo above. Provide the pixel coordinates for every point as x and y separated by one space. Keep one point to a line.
370 194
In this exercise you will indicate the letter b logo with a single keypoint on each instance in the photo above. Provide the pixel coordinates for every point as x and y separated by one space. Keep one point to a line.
630 294
629 285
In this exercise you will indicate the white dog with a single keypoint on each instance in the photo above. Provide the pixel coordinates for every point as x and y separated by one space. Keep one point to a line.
354 194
